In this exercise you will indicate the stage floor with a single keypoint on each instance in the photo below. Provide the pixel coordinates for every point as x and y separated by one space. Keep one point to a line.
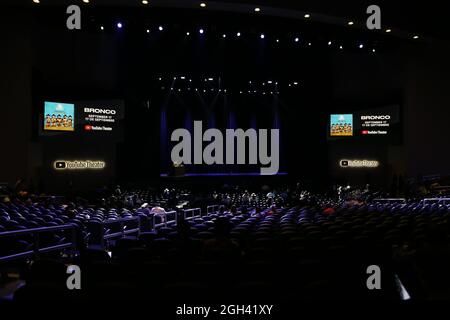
221 175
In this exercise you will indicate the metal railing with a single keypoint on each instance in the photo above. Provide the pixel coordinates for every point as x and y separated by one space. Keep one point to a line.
189 214
37 250
121 227
169 219
390 200
212 209
443 200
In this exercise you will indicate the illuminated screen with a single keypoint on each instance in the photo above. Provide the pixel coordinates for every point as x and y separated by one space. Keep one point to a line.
341 125
59 116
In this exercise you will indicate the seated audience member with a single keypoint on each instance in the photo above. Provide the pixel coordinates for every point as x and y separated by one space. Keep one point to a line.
221 247
159 212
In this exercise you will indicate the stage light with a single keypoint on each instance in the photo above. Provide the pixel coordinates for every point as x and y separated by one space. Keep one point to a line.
102 28
225 90
307 15
85 1
238 34
119 25
144 2
257 9
159 79
182 78
240 92
262 36
341 47
295 83
388 30
296 39
188 33
148 31
416 37
174 78
350 23
36 1
211 79
269 82
361 46
203 5
373 50
278 40
201 31
309 44
224 36
329 43
160 28
179 90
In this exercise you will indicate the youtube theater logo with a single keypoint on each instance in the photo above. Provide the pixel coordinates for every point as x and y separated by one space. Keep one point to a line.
89 127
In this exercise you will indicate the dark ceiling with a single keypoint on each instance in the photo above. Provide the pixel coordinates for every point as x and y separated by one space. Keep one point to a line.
428 19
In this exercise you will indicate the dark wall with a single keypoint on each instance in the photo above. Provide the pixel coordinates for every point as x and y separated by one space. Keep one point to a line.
15 96
427 111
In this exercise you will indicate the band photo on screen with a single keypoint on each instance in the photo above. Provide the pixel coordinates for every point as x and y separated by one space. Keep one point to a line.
224 159
59 116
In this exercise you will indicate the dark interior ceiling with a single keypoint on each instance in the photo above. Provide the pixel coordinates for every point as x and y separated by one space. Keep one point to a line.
428 19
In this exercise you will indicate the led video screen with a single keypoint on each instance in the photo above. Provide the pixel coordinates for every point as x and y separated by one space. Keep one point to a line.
375 124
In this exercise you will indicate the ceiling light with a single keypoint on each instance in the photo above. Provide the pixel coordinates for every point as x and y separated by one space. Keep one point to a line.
307 15
350 23
203 5
257 9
